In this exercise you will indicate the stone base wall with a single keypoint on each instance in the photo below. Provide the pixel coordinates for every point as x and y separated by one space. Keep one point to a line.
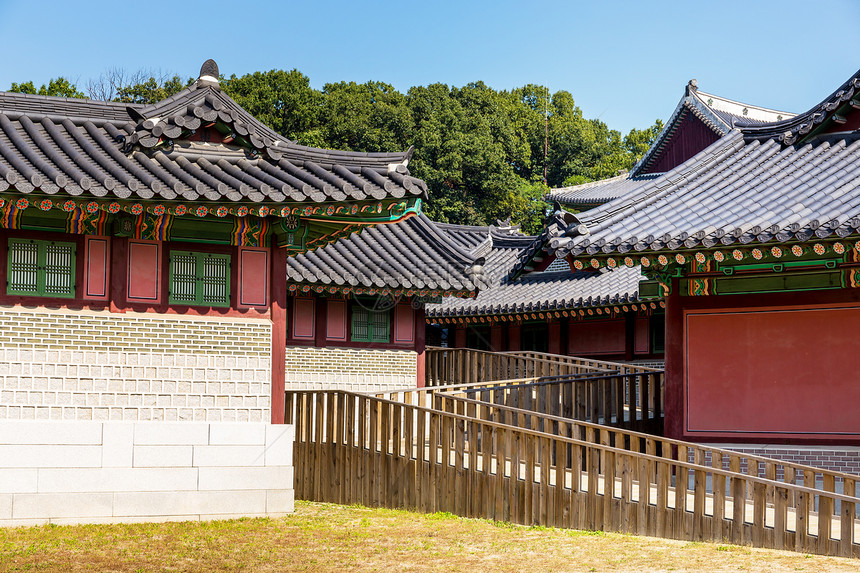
93 472
82 365
354 369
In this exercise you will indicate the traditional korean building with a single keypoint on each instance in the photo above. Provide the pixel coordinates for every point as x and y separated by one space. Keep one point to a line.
614 316
160 260
755 242
541 306
357 305
699 120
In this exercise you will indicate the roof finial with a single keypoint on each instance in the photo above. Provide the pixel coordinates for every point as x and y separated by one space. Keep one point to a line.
208 74
692 86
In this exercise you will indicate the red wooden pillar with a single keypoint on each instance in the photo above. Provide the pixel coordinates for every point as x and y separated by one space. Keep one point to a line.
629 335
118 273
279 332
497 336
460 337
321 318
514 337
673 421
554 346
420 344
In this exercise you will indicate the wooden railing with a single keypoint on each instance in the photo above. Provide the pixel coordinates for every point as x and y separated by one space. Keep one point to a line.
632 401
445 366
623 367
355 448
703 455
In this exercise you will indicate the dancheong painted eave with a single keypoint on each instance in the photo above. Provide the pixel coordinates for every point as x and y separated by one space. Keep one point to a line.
196 147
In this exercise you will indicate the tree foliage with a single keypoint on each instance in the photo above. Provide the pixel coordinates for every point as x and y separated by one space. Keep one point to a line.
482 152
282 100
59 87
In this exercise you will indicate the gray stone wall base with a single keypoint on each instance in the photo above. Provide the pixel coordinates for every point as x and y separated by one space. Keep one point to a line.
101 472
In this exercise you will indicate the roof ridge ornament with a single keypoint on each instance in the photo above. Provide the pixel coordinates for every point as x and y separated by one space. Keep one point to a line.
209 74
692 86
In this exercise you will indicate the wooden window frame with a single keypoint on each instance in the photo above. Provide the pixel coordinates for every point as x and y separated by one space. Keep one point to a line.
41 271
200 277
361 314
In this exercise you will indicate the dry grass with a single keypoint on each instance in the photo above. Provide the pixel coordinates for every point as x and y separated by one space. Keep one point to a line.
323 537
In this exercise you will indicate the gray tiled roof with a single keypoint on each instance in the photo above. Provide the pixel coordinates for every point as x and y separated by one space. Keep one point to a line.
410 254
830 113
467 236
538 291
717 113
598 192
83 148
735 191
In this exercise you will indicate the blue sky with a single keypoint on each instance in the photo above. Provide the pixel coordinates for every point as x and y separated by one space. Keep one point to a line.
624 62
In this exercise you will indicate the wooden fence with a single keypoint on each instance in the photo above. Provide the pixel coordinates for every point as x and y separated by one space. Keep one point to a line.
355 448
703 455
623 367
445 366
632 401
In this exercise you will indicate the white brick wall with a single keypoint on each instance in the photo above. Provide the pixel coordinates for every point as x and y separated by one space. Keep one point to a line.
353 369
82 365
92 472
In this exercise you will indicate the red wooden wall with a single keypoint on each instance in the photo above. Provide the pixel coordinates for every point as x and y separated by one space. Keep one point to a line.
772 372
596 338
763 368
690 137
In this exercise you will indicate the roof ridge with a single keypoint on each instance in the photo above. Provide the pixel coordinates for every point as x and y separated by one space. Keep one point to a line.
202 101
84 100
590 184
790 130
700 93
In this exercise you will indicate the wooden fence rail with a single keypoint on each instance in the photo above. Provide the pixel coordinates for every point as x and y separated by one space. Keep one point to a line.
623 367
703 455
355 448
464 365
631 401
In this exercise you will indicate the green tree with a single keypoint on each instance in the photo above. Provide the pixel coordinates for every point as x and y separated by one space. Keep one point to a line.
638 141
59 87
526 207
365 117
151 90
282 100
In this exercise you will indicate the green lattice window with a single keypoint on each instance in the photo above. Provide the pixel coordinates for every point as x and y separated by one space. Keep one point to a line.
41 268
370 325
199 279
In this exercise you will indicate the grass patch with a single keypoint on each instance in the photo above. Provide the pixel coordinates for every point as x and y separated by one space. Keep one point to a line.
325 537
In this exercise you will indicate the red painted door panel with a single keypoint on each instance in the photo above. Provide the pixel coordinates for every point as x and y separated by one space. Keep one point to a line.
641 343
304 318
777 373
253 277
144 271
336 320
404 324
97 268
